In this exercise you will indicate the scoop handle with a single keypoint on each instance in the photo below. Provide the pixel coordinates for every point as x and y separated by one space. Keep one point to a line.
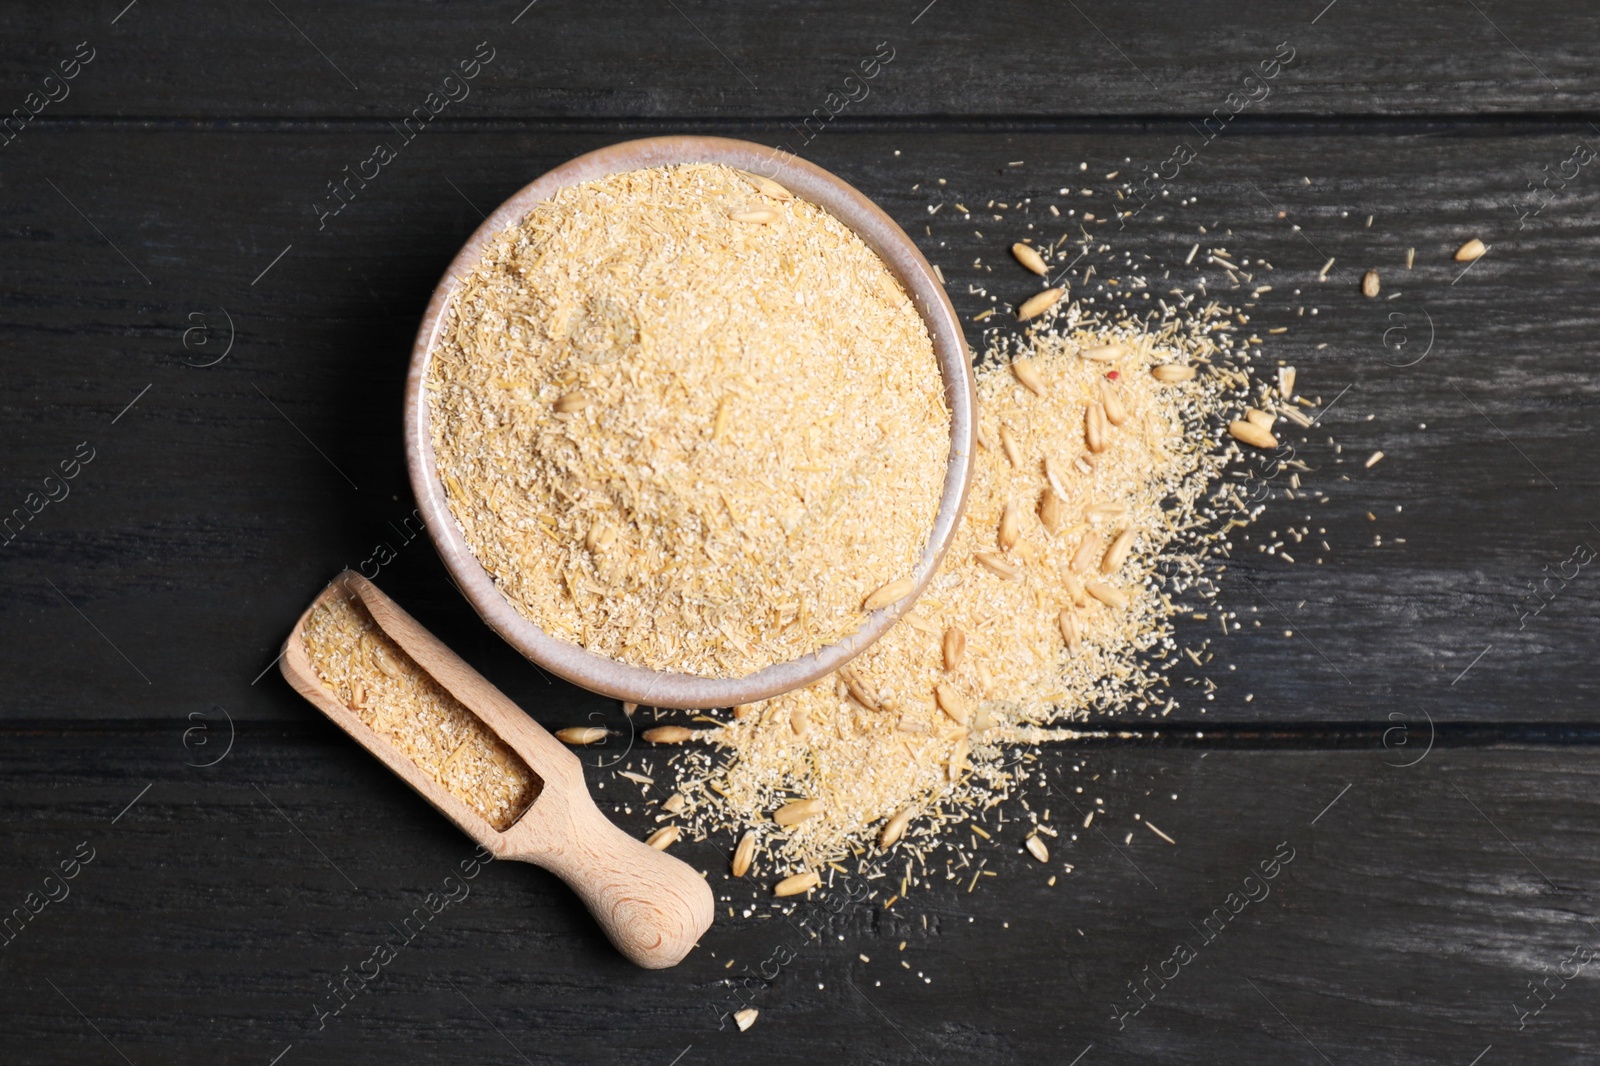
654 907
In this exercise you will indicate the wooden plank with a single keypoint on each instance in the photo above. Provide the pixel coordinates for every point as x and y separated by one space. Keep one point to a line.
1418 904
739 60
222 498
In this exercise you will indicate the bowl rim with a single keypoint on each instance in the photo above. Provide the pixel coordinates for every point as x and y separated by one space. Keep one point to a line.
642 685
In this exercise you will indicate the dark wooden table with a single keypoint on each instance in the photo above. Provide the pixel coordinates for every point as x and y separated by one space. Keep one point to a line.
216 354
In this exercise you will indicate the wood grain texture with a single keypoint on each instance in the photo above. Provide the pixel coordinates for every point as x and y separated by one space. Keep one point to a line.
697 59
1413 914
219 502
1439 904
652 906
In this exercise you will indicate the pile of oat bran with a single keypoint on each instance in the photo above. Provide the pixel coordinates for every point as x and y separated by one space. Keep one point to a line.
906 740
688 421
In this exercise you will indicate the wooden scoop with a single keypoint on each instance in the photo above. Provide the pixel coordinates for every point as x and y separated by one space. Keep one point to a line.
653 907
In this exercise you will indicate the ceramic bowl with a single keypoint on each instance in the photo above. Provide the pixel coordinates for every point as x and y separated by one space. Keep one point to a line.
638 684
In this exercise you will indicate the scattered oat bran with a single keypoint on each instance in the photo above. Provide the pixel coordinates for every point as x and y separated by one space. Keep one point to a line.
363 668
686 424
1054 626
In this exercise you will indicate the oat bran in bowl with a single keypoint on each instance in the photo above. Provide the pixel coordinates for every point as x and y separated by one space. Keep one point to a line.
686 434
